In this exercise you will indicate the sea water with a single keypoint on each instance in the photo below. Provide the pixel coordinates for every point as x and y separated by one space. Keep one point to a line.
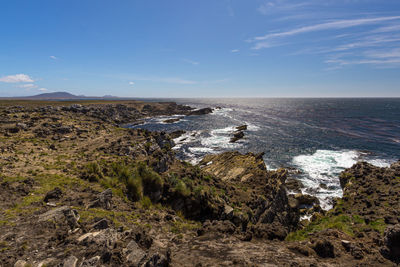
318 137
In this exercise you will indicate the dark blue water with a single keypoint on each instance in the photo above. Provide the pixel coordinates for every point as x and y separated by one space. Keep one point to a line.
320 137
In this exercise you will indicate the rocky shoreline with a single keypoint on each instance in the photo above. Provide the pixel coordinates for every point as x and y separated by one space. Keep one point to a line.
78 189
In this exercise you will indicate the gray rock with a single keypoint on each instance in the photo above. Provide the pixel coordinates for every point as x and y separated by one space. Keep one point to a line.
20 263
157 260
54 214
104 200
46 262
107 237
134 254
71 261
92 262
228 212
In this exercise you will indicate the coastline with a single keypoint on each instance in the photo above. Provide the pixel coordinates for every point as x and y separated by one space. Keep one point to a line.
162 210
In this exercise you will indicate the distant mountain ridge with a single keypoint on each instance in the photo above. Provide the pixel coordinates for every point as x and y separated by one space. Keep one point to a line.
60 96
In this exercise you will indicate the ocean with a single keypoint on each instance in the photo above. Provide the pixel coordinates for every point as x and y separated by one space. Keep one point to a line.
318 137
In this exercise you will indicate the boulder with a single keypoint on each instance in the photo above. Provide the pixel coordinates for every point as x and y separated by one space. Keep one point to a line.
158 260
20 263
53 194
172 120
202 111
100 225
242 127
107 237
306 200
92 262
237 136
324 248
134 254
71 261
103 200
391 249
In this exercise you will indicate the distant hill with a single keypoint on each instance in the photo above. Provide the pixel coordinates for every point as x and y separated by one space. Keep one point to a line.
55 95
61 96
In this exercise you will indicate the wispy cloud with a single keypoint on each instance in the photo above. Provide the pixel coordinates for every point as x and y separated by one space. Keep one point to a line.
174 80
17 78
131 83
235 50
267 7
338 24
28 86
43 89
190 61
54 57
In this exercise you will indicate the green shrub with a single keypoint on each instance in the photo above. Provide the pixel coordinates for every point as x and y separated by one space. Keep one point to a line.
92 172
146 202
134 188
181 188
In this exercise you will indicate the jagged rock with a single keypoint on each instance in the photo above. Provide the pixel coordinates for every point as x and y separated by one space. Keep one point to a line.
294 185
46 262
202 111
103 200
72 218
134 254
53 194
20 263
391 249
172 120
100 225
306 200
177 134
324 248
237 136
54 214
92 262
158 260
106 237
21 126
71 261
228 212
242 127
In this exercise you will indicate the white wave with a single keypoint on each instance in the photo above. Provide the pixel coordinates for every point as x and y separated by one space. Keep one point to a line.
325 166
223 112
185 138
382 163
201 150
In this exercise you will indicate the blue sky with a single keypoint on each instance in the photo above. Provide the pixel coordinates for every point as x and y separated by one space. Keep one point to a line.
207 48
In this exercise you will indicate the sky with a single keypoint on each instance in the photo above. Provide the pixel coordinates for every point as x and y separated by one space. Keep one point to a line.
207 48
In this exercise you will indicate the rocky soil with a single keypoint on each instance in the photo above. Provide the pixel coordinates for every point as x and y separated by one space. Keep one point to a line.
78 189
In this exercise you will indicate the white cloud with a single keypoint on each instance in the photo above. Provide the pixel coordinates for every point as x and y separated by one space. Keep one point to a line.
17 78
54 57
131 83
338 24
235 50
28 86
268 7
191 62
43 89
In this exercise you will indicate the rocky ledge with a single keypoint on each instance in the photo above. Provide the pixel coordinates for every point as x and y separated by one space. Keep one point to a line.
78 190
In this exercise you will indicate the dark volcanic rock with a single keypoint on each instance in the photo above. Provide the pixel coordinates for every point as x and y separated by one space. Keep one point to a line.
324 248
53 194
391 250
242 127
237 136
202 111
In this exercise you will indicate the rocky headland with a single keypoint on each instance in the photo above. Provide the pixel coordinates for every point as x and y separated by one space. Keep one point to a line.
77 188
